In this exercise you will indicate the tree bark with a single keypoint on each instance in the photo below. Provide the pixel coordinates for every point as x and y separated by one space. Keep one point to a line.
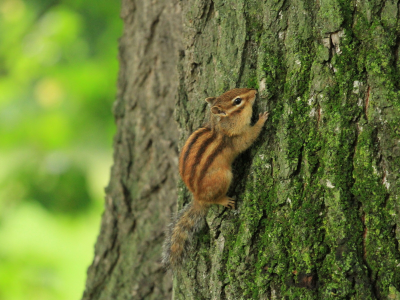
141 195
318 210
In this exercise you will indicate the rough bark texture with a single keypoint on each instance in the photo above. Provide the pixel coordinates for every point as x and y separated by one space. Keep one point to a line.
318 210
318 215
142 194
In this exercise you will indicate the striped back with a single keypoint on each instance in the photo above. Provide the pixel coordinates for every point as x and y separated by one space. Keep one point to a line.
198 154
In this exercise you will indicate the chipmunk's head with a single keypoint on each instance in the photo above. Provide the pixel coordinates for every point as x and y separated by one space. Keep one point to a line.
232 109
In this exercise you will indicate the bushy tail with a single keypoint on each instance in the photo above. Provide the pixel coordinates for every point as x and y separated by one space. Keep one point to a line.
180 232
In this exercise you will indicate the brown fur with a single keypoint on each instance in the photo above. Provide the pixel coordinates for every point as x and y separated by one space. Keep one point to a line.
205 165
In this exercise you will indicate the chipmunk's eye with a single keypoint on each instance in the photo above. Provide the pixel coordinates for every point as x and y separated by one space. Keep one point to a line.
237 101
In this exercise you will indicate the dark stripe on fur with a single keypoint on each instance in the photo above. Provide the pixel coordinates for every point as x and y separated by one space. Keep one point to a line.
197 134
238 111
210 160
198 157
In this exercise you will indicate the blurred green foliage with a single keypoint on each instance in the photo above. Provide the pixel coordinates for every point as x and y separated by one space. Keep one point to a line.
58 73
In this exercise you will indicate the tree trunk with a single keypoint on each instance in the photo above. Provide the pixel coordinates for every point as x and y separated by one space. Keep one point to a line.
318 210
142 194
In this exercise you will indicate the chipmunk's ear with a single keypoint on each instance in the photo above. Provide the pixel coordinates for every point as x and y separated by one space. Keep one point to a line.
216 110
211 100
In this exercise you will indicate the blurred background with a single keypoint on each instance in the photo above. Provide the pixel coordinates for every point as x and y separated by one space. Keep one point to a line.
58 73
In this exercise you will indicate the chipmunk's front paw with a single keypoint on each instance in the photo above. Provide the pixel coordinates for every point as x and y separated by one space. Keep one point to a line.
263 116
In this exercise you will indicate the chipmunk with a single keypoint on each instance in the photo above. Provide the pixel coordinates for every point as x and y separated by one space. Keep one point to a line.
205 165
